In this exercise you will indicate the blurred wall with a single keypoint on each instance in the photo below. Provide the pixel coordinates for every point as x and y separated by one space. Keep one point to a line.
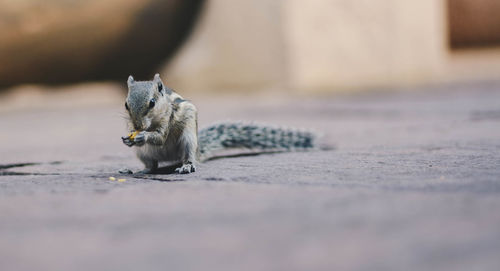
236 45
247 45
313 45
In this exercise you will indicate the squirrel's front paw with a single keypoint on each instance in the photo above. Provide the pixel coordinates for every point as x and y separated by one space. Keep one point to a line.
186 168
140 138
126 140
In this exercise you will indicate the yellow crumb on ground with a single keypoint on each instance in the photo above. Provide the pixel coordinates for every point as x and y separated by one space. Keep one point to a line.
112 178
121 180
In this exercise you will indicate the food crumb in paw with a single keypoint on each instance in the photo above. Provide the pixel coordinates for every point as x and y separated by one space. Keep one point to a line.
121 180
112 178
133 134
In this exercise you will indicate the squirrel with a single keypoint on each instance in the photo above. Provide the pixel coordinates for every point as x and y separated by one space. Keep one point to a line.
164 128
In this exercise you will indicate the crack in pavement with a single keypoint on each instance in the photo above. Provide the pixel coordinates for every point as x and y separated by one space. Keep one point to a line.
15 173
6 166
27 164
3 168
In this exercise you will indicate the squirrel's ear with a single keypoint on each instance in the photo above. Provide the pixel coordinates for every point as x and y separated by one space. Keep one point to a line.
159 83
130 80
157 77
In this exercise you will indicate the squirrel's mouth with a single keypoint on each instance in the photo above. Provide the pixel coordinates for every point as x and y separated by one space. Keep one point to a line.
141 127
142 124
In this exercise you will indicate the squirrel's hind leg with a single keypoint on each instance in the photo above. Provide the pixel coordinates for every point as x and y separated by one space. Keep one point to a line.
189 148
151 166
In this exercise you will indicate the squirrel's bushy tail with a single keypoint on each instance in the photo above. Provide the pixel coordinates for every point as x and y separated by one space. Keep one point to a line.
253 137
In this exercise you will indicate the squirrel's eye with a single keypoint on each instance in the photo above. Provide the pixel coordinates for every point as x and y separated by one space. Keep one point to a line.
152 103
126 105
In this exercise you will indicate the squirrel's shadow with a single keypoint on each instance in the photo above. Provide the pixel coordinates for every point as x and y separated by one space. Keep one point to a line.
166 169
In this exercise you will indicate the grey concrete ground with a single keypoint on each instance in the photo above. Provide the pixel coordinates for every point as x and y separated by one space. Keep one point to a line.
412 184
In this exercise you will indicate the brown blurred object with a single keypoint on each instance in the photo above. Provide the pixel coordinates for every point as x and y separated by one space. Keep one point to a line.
61 41
474 23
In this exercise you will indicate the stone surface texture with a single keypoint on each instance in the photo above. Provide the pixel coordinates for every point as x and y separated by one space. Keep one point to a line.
413 183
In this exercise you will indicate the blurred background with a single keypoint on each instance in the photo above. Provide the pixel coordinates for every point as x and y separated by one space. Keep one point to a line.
406 94
316 46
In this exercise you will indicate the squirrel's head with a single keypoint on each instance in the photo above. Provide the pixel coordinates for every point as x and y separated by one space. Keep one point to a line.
146 100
